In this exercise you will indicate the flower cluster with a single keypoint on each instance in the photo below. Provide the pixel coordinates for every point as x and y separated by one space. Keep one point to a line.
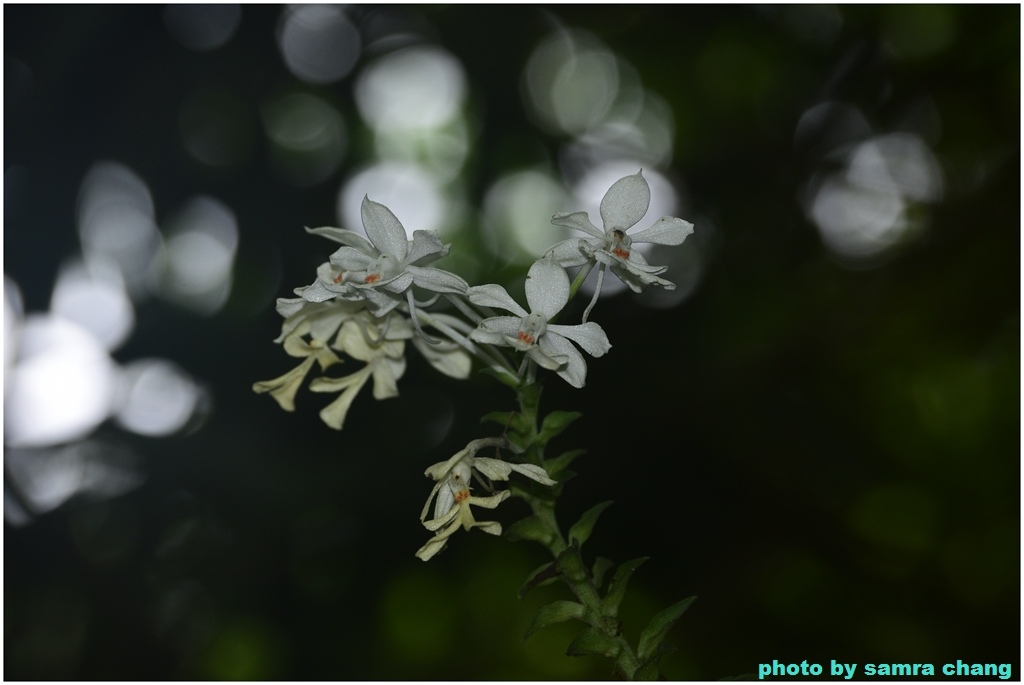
451 494
362 307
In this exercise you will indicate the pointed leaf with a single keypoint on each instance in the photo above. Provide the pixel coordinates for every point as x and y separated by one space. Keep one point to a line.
581 530
617 586
556 612
555 423
601 566
658 628
594 642
540 576
530 528
557 465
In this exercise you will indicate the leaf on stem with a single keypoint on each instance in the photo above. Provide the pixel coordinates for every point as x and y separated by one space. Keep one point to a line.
594 642
530 528
556 466
554 423
556 612
601 566
617 586
540 576
581 530
650 647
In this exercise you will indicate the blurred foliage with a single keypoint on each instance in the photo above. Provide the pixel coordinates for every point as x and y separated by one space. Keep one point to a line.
826 452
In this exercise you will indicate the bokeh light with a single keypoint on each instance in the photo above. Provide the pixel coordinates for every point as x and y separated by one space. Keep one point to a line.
116 222
516 215
307 135
319 43
202 27
571 81
93 296
406 189
155 397
199 255
60 386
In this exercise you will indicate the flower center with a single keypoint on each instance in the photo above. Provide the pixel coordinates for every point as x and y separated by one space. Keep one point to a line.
462 495
532 327
620 244
385 266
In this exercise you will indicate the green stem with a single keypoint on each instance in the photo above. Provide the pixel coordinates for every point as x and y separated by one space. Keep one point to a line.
580 583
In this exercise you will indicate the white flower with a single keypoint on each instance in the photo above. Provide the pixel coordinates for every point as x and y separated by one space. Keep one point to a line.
622 207
379 342
452 491
382 347
319 321
547 292
383 269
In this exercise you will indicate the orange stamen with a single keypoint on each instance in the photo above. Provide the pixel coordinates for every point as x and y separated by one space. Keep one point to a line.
525 337
621 252
372 278
461 496
340 277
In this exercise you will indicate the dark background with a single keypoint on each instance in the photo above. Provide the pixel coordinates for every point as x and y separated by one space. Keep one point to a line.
826 452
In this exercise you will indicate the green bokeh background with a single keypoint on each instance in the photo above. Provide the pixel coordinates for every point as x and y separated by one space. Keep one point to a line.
826 454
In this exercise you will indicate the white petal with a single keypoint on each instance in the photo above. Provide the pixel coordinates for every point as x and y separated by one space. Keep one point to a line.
426 247
547 287
316 292
455 363
350 259
590 336
639 280
290 306
572 252
490 502
437 280
493 295
283 388
668 230
379 302
491 527
386 373
495 469
579 221
384 229
427 551
343 236
575 369
334 413
533 472
545 360
397 284
626 202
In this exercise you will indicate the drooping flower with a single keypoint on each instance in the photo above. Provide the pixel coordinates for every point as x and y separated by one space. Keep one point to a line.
382 348
382 269
319 321
622 207
452 497
547 344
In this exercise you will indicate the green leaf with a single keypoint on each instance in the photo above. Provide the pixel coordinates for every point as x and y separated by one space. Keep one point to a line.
556 612
649 671
594 642
657 629
581 530
558 464
554 423
540 576
601 566
570 565
617 586
530 528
